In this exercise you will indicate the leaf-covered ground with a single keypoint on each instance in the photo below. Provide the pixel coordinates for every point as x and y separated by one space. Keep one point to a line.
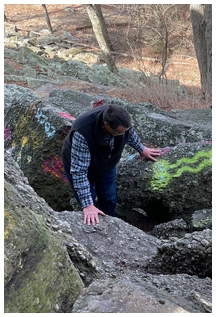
182 64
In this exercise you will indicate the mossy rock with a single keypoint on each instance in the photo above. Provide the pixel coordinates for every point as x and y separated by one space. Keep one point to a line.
39 275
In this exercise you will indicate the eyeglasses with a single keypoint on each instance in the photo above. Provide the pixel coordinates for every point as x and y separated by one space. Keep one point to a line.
120 133
112 131
117 133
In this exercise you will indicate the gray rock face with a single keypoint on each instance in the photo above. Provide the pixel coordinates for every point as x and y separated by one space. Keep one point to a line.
175 186
121 267
153 255
151 294
154 126
39 275
111 237
195 248
35 134
179 183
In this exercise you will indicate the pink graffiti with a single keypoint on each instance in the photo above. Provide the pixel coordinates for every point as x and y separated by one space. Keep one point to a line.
164 151
54 166
7 133
66 115
98 103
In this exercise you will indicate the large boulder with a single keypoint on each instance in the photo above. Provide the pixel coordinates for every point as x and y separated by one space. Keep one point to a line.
179 183
132 258
155 126
194 248
38 273
34 135
136 249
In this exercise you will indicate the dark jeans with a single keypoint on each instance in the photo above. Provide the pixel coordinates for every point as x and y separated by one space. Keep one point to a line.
104 191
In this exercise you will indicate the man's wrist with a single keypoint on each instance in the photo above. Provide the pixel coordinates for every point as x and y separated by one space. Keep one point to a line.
86 202
142 147
88 206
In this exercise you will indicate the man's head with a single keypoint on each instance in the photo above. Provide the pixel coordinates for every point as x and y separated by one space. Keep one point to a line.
116 120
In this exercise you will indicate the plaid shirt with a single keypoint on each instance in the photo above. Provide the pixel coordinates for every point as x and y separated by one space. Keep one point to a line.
81 158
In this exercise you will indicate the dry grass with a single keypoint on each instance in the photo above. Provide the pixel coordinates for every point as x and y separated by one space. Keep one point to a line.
162 97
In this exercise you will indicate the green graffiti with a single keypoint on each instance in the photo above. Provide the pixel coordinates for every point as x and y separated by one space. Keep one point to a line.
164 172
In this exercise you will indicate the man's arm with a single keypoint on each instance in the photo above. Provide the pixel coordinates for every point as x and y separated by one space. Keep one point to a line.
80 161
135 142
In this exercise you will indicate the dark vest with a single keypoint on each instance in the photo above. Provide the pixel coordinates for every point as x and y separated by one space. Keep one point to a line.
103 159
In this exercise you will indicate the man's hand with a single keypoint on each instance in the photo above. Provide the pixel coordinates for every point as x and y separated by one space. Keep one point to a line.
150 153
91 214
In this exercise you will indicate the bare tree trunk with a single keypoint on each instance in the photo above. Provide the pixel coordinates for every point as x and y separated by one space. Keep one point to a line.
99 28
5 18
201 19
47 18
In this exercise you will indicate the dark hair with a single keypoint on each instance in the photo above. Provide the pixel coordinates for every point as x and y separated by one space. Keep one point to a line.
115 116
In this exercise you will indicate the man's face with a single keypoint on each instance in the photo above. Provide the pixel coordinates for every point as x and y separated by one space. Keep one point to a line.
120 130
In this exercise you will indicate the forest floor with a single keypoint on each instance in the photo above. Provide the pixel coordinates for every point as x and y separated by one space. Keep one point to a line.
182 64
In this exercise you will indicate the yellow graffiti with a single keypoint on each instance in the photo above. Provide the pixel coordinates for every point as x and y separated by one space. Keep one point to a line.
24 140
162 171
22 124
36 141
9 224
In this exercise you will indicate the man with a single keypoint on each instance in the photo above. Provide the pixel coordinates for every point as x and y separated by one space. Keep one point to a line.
90 153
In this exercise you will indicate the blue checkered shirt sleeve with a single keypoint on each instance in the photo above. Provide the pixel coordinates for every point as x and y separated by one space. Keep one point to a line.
134 140
80 161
